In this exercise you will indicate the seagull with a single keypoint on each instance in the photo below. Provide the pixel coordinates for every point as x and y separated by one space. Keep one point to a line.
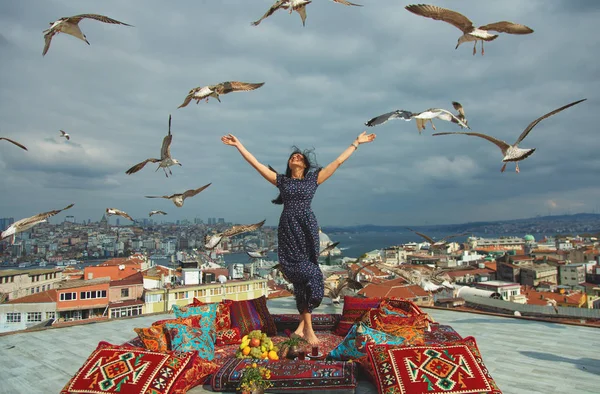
178 198
211 241
257 254
14 142
436 244
156 213
118 212
470 32
70 25
552 302
423 117
295 5
204 92
513 152
27 223
328 249
165 160
66 135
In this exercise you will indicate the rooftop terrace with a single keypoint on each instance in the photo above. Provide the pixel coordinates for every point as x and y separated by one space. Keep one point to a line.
523 356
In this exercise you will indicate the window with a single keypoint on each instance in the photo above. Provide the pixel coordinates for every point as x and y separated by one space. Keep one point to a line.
32 290
13 317
37 289
180 295
43 287
154 298
124 292
34 317
126 311
68 296
50 315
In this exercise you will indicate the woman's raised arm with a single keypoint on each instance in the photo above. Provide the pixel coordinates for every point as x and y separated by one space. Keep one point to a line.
263 170
328 171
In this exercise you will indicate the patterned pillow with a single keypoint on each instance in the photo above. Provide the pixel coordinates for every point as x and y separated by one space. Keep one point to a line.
290 375
413 336
196 375
113 369
403 306
206 313
185 338
440 334
448 369
249 315
354 345
223 319
154 338
365 369
354 309
228 336
192 321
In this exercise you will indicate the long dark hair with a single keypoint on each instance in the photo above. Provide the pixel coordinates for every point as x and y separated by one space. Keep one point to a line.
306 155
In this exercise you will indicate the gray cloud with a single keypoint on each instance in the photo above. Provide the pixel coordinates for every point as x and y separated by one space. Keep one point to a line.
322 82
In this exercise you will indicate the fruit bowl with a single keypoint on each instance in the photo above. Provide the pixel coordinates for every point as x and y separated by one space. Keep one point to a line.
257 345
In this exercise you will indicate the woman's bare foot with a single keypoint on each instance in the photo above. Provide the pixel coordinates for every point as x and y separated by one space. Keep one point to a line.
311 337
300 330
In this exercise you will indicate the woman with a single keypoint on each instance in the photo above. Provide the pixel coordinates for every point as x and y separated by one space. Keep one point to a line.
298 231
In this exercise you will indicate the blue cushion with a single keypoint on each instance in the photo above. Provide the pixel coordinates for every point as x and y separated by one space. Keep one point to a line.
185 338
354 344
207 313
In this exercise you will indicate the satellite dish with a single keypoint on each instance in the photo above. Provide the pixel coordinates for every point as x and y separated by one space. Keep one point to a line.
222 279
517 313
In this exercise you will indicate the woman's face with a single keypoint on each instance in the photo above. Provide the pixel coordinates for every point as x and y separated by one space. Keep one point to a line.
297 160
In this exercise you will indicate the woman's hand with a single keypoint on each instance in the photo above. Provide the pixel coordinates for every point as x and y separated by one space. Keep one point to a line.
364 138
230 139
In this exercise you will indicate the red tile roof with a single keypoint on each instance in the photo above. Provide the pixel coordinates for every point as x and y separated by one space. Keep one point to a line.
42 296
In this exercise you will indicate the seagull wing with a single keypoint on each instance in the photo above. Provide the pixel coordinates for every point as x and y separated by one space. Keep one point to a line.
454 236
193 192
442 14
244 228
188 98
141 165
14 142
538 120
381 119
302 12
42 216
167 197
499 143
48 40
507 27
328 248
165 150
429 239
450 117
457 106
235 86
101 18
123 214
344 2
270 12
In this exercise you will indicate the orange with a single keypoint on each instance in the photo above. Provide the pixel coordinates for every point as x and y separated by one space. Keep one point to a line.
246 351
273 355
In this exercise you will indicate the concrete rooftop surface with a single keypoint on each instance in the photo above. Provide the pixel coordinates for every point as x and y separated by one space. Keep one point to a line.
523 356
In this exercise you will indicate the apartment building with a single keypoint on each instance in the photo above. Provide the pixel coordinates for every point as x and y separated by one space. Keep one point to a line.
125 296
82 299
28 311
20 283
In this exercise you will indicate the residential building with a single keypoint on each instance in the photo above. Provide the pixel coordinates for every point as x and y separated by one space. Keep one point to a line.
125 296
28 311
572 274
19 283
82 299
394 255
534 274
509 291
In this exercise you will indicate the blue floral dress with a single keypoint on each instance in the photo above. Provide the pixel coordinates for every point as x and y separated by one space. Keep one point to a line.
298 238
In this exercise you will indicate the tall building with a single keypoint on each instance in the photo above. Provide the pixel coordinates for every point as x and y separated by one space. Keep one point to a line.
221 221
70 219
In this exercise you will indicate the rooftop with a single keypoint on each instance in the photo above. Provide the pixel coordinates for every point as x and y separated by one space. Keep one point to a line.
522 355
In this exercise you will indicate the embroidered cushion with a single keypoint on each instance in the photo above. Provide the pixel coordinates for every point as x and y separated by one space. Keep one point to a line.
228 336
154 338
114 369
192 321
354 309
223 319
402 306
205 313
185 338
289 375
440 334
194 376
250 315
354 344
449 369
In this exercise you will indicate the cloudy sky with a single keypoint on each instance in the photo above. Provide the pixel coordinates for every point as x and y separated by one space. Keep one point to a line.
322 82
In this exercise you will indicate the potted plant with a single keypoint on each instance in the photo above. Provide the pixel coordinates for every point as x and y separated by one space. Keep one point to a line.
255 379
291 346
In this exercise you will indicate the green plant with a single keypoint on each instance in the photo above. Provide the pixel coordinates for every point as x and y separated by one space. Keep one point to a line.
294 340
254 378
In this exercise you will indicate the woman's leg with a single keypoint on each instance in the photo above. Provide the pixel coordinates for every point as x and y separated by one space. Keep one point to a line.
309 334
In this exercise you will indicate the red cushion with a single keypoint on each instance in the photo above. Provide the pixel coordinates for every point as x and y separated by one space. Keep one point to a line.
354 309
250 315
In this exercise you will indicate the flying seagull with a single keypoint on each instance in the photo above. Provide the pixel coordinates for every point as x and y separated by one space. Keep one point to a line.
157 213
204 92
27 223
14 142
66 135
470 32
211 241
70 25
295 5
436 244
513 152
165 160
328 249
335 290
421 118
118 212
178 198
257 254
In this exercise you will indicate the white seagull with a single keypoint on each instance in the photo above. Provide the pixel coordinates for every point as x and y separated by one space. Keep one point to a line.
64 134
118 212
157 213
211 241
436 244
178 198
513 152
296 5
204 92
165 160
70 25
421 118
470 32
328 249
13 142
27 223
257 254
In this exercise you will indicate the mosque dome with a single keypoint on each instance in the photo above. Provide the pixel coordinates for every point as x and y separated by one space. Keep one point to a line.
529 238
324 238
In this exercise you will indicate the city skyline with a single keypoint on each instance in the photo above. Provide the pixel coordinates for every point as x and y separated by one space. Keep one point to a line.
322 82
